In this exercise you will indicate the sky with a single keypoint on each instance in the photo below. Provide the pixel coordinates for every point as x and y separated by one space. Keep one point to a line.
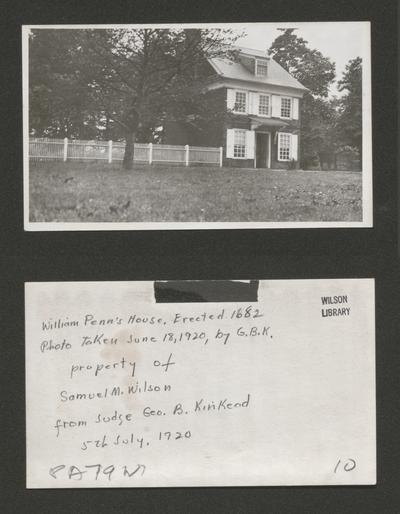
340 41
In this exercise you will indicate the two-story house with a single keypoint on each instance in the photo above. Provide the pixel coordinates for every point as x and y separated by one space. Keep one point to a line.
262 103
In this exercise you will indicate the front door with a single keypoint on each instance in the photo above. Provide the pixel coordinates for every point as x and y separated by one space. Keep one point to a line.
262 150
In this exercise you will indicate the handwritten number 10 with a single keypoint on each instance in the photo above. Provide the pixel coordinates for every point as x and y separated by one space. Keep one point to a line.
348 465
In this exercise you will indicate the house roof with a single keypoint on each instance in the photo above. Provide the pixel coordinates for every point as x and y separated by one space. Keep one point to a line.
277 75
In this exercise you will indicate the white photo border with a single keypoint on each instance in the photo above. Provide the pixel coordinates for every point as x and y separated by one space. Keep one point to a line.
367 172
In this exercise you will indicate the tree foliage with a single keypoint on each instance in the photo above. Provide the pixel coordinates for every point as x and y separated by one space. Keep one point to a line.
308 66
327 123
350 119
60 101
125 82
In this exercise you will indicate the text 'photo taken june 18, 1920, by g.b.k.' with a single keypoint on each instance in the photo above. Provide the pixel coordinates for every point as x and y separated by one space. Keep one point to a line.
257 125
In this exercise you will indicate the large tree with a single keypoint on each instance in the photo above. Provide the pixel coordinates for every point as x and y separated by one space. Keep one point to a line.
60 100
350 107
307 65
316 72
128 81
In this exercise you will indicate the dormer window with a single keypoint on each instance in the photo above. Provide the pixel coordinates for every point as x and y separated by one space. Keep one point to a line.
261 68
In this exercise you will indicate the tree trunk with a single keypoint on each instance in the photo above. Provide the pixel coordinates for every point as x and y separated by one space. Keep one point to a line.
127 163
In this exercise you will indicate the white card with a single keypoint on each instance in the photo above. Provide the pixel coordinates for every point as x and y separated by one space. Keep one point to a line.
122 391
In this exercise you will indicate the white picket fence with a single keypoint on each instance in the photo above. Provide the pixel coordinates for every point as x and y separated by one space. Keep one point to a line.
72 149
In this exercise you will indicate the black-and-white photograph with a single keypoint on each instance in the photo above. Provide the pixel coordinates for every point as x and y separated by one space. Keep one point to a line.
260 125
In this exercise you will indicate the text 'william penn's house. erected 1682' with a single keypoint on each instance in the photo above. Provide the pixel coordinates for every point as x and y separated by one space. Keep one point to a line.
259 102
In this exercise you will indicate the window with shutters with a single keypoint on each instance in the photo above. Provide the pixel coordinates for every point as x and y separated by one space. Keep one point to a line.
286 107
261 68
263 105
239 144
284 147
240 101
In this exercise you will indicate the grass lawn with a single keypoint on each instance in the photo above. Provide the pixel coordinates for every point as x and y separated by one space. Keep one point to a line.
89 192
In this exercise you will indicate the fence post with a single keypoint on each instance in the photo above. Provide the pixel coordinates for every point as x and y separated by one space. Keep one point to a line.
150 153
65 149
110 152
220 156
186 155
